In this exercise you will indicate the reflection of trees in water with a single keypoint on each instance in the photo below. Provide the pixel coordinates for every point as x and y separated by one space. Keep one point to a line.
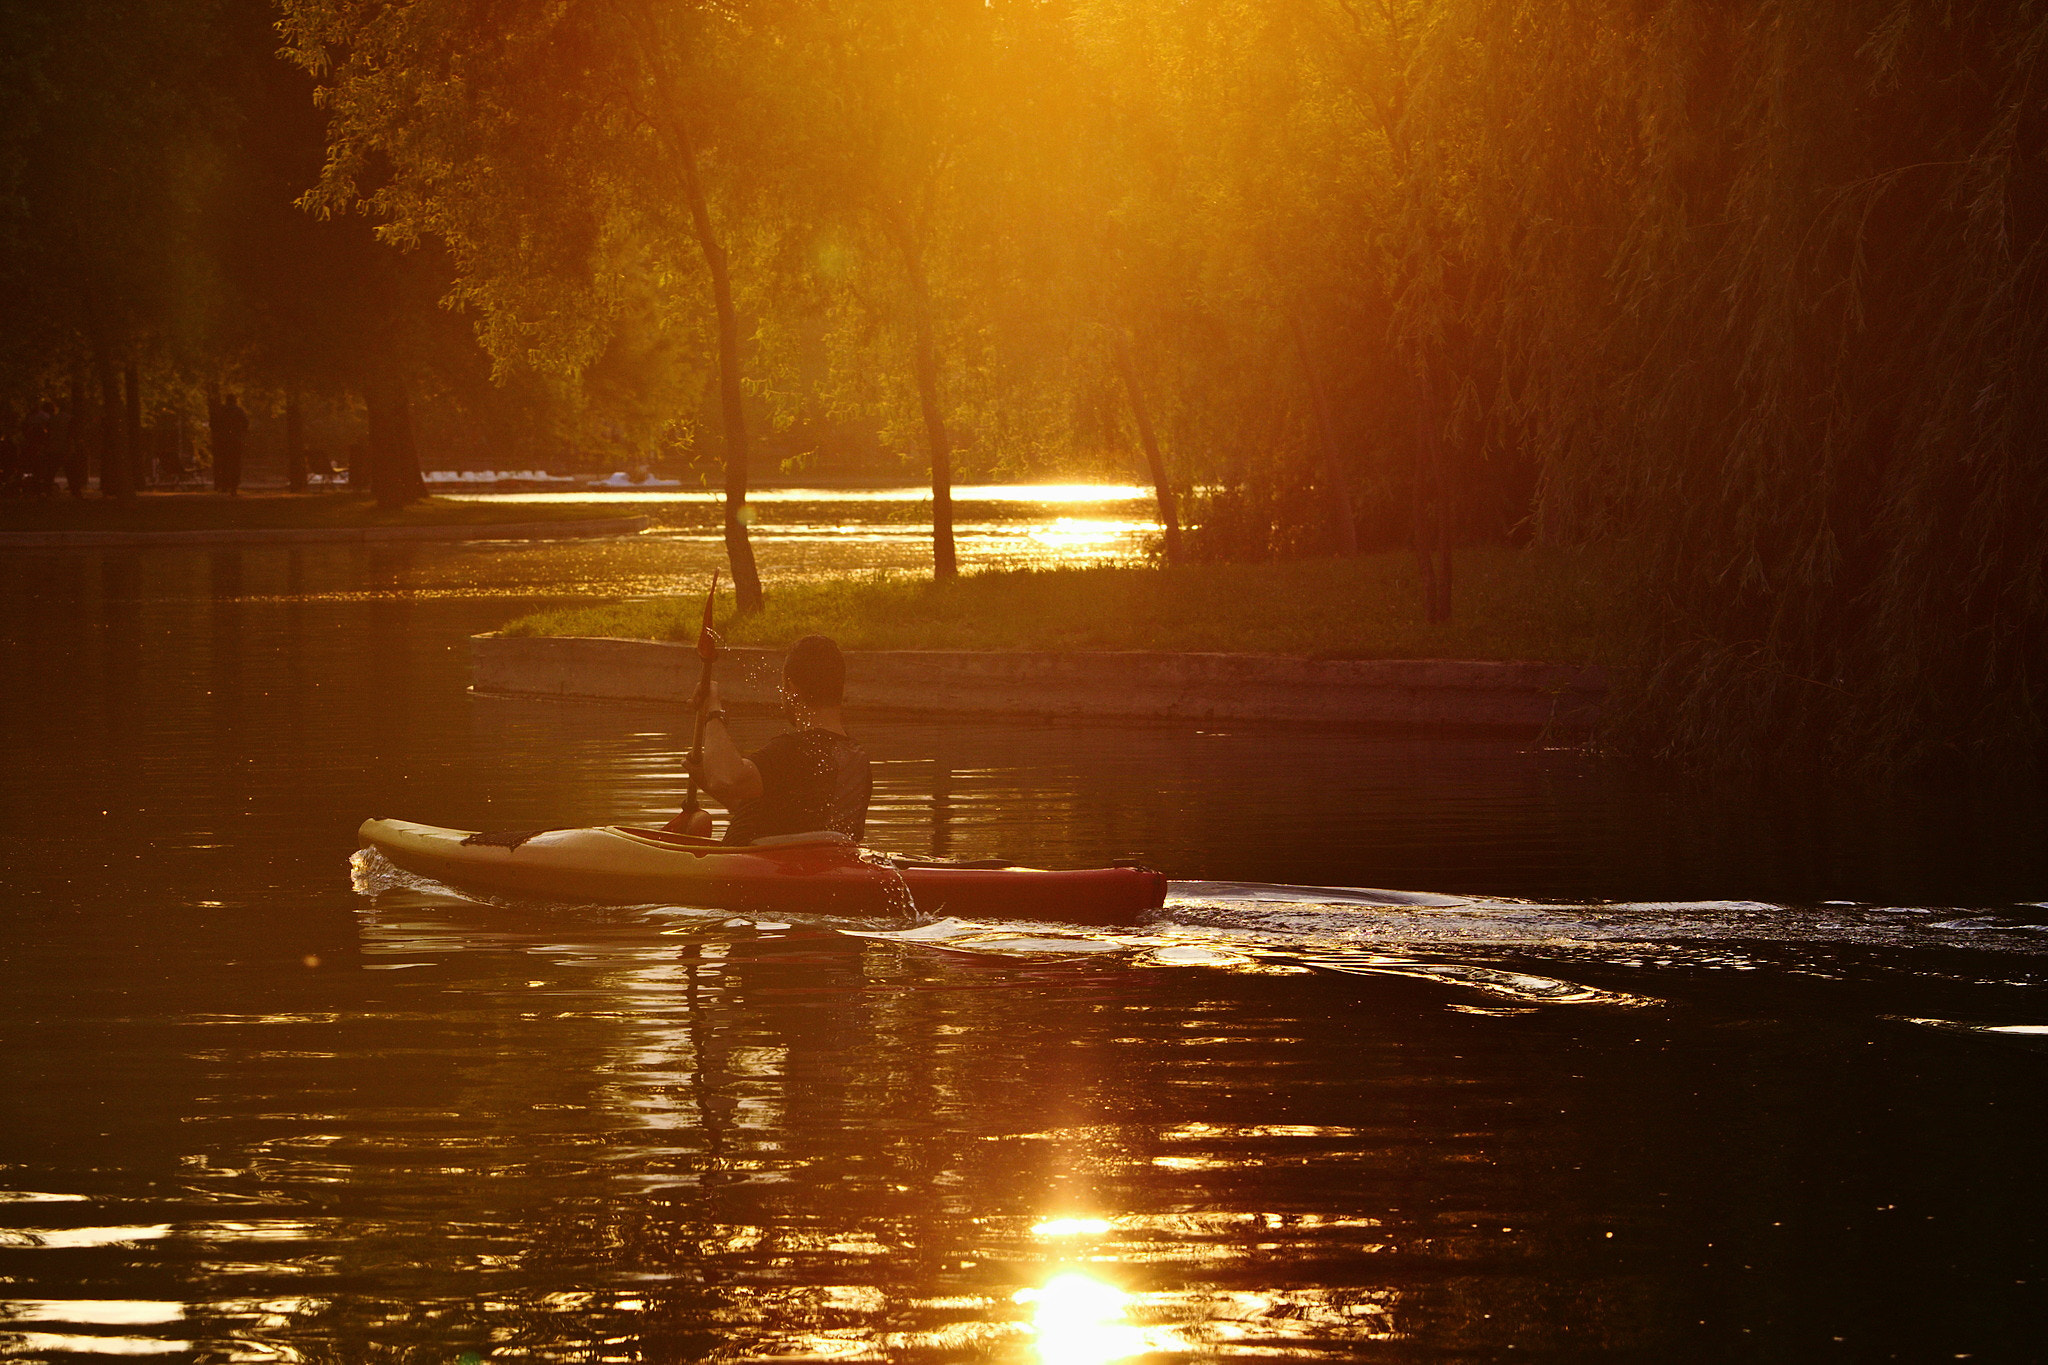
847 1099
927 1115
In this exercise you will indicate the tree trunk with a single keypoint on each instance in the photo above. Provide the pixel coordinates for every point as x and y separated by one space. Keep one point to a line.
393 460
294 442
925 361
1432 520
114 467
1153 460
131 409
1333 460
739 550
376 420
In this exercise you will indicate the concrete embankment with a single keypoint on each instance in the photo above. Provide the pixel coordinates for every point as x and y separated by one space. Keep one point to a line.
326 535
1404 693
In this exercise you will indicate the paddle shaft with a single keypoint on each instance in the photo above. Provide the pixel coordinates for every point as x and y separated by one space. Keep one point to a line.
707 650
697 743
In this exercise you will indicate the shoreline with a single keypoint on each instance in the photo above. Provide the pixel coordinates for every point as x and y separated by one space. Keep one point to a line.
1464 694
321 535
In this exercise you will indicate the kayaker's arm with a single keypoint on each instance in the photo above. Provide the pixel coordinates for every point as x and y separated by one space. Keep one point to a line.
728 774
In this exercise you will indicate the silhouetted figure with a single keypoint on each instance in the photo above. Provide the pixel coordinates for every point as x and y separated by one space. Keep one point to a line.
230 438
813 778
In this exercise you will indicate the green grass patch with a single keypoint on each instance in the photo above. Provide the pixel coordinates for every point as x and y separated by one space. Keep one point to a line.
1509 604
276 512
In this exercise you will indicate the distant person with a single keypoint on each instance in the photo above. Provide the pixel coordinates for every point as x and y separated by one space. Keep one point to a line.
230 440
812 778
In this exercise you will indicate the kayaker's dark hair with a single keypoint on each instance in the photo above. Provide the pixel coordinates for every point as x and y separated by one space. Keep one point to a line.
816 671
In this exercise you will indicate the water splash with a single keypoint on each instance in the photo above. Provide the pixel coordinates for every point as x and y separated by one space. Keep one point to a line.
897 902
370 873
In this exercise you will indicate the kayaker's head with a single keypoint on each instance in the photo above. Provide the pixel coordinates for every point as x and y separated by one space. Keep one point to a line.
814 675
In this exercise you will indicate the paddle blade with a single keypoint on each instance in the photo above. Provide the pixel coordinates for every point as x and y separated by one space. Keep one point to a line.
707 640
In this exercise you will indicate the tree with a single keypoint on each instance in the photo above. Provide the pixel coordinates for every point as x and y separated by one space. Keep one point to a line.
897 152
309 303
104 167
570 160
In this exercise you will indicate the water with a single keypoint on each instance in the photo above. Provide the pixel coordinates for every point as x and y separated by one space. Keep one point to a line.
1617 1081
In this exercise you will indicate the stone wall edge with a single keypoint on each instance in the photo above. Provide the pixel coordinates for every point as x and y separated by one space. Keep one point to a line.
1401 693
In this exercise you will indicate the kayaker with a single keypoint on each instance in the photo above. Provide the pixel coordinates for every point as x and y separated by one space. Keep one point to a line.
812 778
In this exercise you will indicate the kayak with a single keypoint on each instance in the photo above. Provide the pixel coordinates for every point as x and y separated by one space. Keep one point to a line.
823 873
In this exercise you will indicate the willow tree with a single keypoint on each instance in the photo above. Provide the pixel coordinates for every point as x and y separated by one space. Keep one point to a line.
581 162
1768 278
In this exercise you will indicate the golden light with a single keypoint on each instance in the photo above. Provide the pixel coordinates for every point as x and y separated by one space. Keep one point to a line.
1079 1320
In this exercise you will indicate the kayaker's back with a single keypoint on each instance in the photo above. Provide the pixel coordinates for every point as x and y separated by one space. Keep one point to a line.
811 779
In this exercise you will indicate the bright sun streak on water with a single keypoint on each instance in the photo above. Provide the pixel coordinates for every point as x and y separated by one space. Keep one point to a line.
1079 1320
1022 492
1068 533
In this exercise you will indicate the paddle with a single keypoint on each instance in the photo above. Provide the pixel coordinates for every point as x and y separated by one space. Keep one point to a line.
707 650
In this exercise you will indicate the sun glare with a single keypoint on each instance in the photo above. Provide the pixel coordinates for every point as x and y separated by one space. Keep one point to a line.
1079 1320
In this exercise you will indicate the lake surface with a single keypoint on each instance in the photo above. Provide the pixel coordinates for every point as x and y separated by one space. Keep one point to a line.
1659 1072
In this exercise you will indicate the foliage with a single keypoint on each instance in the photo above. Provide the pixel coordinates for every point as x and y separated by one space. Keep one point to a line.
1766 309
1752 287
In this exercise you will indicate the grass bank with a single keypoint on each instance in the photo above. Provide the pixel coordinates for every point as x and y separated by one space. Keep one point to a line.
277 512
1510 604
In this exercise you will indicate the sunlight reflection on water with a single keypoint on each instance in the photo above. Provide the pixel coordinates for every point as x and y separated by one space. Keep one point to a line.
831 536
256 1118
1080 1320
